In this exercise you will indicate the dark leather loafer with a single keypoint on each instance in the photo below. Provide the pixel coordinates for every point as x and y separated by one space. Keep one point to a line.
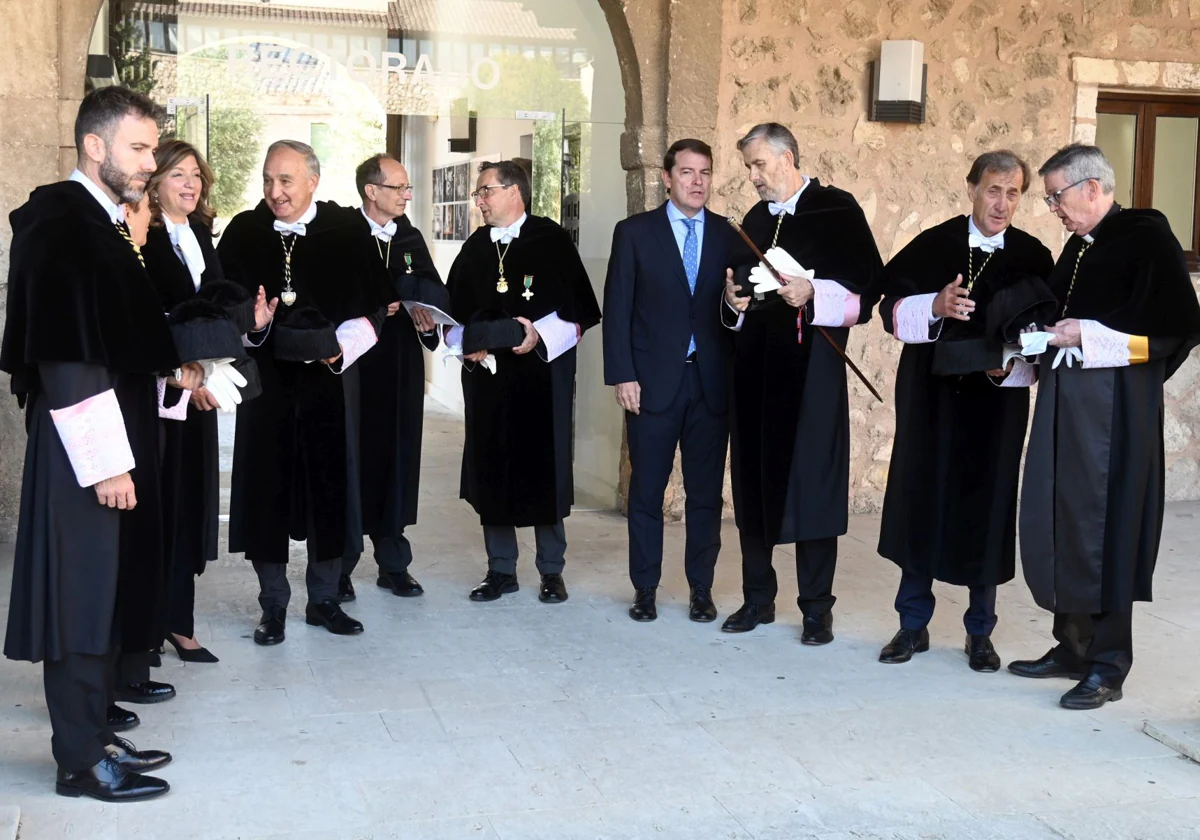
749 616
401 583
121 720
138 761
818 629
145 692
329 614
494 585
643 607
271 626
701 606
981 656
108 781
1091 693
1044 668
553 590
903 645
345 589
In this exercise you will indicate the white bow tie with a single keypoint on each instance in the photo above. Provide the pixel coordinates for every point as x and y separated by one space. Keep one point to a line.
501 233
987 244
383 233
297 228
775 208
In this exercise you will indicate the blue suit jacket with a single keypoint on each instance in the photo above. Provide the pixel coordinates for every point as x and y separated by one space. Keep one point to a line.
649 312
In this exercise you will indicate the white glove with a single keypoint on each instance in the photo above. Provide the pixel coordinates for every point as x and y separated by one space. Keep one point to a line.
1070 354
222 380
489 362
1035 343
785 263
763 280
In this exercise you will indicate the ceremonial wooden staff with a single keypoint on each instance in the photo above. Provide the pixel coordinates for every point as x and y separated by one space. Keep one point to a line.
775 273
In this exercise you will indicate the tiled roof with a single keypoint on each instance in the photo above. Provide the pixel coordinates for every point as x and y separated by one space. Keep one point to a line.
500 19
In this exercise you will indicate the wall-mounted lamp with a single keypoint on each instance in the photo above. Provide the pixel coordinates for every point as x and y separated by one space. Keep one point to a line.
898 83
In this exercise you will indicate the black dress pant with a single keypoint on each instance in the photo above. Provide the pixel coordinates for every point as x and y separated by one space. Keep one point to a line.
78 693
392 554
321 578
816 562
500 541
1098 643
703 438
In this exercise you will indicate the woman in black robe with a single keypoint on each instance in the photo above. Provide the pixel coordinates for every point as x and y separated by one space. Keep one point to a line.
180 257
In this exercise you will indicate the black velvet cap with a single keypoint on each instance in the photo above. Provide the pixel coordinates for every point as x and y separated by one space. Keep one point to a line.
1026 301
235 300
957 357
202 330
304 335
492 330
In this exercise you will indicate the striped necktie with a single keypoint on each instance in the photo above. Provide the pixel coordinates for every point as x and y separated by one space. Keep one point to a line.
123 229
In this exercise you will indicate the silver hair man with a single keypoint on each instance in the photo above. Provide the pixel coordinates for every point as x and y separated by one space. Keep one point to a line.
310 156
777 136
1079 162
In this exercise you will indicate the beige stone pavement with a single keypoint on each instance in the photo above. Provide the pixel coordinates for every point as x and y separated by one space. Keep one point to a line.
519 720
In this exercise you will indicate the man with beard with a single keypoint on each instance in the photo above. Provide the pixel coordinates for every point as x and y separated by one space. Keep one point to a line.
393 408
1092 500
790 410
518 275
296 453
84 342
955 295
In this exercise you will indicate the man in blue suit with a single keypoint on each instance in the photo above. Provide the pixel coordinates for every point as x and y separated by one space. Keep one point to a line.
668 358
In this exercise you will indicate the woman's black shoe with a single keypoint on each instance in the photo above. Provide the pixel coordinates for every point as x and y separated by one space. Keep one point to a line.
191 655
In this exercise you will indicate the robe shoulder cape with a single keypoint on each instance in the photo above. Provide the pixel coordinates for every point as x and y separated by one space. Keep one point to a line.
1093 494
516 466
82 318
393 404
789 423
295 459
950 508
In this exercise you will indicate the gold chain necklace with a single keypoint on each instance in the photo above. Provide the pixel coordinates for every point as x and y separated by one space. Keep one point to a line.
123 229
1074 275
972 274
288 296
502 284
778 226
387 261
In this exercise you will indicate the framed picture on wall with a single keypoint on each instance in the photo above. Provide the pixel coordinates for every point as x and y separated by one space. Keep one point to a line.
451 202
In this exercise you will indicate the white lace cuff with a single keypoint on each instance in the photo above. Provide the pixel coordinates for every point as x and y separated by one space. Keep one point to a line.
1022 375
557 335
177 411
356 337
93 433
1102 347
912 318
833 304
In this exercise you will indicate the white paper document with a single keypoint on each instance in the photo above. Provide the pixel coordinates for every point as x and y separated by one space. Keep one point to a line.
439 317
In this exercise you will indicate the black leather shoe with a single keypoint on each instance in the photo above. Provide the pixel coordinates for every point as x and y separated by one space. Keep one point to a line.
903 645
329 614
701 606
643 607
121 720
553 590
494 585
1044 668
146 692
271 626
818 629
1091 693
401 583
138 761
748 617
108 781
345 589
981 655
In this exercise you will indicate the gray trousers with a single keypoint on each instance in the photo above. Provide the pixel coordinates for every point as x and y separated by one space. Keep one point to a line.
393 554
77 696
321 578
502 549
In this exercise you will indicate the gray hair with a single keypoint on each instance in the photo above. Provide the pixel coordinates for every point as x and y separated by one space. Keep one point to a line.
1001 161
1080 162
310 156
777 137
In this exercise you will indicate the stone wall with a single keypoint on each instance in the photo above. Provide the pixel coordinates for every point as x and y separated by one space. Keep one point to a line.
999 75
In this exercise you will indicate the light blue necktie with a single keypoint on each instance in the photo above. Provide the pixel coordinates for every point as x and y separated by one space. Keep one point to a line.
691 266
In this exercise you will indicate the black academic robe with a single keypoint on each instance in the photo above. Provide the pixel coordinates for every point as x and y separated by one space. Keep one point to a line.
950 509
789 420
516 467
83 318
393 406
1093 493
191 477
295 455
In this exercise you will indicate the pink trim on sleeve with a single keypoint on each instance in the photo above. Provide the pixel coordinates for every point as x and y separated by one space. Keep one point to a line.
177 411
834 305
356 337
1022 375
93 434
912 317
1102 347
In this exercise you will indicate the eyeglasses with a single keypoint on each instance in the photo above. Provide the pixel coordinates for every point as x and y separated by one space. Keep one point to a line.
397 187
1052 200
488 190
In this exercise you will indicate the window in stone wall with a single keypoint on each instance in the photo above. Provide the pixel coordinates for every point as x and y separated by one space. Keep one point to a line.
1154 145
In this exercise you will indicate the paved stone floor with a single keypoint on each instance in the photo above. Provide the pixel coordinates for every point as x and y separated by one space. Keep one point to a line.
518 720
